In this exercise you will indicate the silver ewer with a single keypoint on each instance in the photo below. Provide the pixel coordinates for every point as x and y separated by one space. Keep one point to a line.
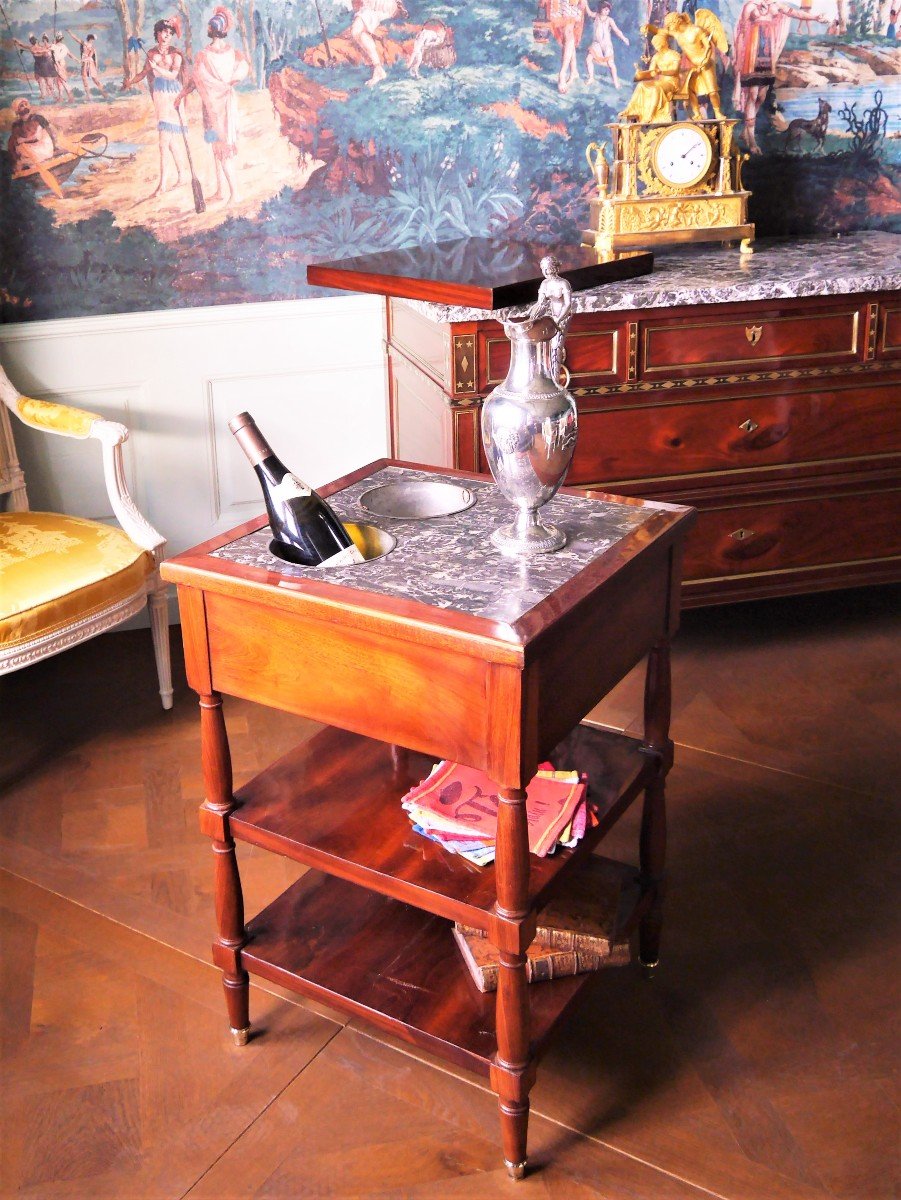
529 429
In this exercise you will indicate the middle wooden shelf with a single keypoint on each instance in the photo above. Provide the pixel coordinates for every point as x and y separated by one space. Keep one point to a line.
334 803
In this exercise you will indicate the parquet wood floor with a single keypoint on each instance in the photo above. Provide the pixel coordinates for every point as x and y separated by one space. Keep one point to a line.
758 1065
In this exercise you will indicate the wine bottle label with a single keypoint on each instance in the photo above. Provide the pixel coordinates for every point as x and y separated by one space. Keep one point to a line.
344 558
289 489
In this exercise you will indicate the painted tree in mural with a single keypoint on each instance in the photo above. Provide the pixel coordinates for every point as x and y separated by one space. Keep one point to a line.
245 23
131 20
187 32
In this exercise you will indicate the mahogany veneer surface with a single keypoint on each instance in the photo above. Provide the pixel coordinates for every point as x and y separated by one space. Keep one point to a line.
334 802
482 272
398 967
427 668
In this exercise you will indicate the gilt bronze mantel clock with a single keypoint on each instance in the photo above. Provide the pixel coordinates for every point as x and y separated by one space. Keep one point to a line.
671 180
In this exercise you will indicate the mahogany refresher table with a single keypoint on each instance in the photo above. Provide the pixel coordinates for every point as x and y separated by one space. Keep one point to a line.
443 648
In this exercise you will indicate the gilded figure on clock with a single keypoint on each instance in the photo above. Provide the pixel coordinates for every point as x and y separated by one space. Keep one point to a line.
656 87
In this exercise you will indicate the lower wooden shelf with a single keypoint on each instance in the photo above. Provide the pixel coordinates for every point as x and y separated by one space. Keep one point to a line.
392 964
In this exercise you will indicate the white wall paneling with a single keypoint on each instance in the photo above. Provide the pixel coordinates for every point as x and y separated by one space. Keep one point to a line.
311 371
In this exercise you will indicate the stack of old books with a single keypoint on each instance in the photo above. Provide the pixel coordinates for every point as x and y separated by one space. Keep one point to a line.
582 929
456 806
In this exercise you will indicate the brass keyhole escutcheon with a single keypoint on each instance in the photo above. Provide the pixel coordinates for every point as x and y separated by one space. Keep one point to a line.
749 426
753 333
741 535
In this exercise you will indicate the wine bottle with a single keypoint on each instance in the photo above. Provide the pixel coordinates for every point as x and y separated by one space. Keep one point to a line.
304 526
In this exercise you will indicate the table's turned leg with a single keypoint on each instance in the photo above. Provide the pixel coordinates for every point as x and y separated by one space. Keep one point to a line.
214 814
657 744
512 1073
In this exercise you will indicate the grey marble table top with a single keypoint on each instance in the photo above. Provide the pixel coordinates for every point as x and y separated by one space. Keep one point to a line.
448 562
869 261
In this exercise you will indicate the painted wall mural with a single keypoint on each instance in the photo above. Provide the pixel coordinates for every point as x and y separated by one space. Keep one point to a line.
168 154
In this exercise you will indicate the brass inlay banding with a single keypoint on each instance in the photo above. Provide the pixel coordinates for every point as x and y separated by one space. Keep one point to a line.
666 385
726 474
822 567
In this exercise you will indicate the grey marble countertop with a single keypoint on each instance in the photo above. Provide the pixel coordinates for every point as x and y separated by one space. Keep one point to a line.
869 261
448 561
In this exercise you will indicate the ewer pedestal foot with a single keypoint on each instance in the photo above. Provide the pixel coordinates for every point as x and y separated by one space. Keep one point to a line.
526 536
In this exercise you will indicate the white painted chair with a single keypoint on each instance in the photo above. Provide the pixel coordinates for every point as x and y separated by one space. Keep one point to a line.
65 579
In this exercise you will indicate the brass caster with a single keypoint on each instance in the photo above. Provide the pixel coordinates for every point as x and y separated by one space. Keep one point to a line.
515 1170
241 1035
745 247
649 969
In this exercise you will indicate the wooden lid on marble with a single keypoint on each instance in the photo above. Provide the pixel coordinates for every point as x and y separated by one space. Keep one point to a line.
480 272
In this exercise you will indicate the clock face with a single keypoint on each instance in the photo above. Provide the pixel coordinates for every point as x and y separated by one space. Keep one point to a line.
682 155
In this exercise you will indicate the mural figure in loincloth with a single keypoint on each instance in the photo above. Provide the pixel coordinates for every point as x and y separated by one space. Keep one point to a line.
44 69
90 73
59 52
165 68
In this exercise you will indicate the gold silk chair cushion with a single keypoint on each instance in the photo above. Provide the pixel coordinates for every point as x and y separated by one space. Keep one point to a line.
55 570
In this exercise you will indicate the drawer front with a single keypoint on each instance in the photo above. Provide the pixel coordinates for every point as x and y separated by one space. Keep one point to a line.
734 435
791 534
693 347
890 343
593 356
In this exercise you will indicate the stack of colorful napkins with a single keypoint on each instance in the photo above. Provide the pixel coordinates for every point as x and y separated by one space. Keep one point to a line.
456 806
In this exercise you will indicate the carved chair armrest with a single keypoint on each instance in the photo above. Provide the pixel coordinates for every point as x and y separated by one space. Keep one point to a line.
111 435
68 421
49 417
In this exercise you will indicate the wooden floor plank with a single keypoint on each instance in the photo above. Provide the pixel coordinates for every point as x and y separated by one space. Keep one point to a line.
365 1120
760 1063
127 1086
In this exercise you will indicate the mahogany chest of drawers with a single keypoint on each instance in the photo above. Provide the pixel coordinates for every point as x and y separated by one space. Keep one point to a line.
777 419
